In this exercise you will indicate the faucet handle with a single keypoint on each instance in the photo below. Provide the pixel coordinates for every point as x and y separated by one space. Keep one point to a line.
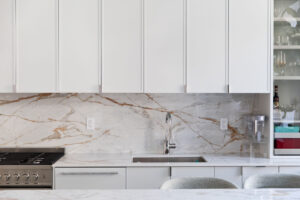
169 146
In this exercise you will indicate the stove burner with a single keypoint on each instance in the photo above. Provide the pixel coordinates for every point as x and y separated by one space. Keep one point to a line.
24 158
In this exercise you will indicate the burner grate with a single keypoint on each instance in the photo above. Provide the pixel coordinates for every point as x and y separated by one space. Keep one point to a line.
21 158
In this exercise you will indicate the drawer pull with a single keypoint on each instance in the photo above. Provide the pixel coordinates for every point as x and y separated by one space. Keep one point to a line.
88 173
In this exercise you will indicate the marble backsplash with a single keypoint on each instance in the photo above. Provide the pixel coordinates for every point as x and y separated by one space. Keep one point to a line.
124 123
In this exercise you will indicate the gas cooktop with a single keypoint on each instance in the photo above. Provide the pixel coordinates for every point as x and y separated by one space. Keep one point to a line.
28 167
18 158
30 156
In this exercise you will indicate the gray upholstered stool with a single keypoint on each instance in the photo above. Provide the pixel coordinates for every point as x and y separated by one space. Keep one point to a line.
197 183
272 181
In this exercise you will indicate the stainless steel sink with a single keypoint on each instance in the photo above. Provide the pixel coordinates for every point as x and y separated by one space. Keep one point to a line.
167 159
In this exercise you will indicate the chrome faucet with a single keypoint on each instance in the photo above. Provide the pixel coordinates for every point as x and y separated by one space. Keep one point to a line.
168 144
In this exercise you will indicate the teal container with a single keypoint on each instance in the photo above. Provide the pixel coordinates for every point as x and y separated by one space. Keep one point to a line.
287 129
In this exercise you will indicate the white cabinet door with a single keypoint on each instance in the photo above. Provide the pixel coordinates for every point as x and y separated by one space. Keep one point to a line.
6 45
36 45
250 171
206 46
164 46
249 46
122 46
147 177
231 174
179 172
79 46
90 178
289 170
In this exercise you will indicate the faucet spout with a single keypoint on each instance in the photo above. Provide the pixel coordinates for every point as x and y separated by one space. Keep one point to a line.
168 144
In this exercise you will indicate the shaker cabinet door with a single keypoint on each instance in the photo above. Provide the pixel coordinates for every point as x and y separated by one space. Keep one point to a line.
249 46
79 46
164 46
122 46
37 28
6 45
206 46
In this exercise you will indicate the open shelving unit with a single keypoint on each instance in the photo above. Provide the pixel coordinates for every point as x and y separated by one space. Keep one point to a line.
286 74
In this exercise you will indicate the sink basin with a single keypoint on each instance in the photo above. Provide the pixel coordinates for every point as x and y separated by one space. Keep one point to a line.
168 159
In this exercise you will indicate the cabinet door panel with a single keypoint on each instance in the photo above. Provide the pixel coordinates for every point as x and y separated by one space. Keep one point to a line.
36 45
90 178
179 172
122 46
249 46
6 45
250 171
147 177
231 174
206 46
164 46
289 170
78 45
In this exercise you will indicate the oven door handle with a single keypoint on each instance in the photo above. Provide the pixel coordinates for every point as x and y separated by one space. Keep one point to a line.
88 173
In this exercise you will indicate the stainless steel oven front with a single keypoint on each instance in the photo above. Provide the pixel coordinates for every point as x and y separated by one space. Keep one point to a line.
26 176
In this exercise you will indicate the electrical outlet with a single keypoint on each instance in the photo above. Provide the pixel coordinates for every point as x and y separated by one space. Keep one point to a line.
224 124
90 123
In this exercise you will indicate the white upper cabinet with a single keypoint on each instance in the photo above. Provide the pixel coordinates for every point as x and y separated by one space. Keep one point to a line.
135 46
122 46
6 45
36 45
164 46
79 36
206 46
249 46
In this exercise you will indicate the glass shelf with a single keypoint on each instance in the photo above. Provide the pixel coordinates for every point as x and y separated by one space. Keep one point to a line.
286 135
292 78
286 20
287 47
287 121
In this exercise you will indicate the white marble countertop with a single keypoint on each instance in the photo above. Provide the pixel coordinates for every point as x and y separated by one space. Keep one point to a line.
264 194
125 160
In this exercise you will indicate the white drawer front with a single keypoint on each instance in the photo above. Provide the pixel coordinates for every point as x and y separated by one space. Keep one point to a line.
231 174
147 177
90 178
289 170
250 171
179 172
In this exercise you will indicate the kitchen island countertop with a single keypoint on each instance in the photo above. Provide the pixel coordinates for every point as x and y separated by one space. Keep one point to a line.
220 194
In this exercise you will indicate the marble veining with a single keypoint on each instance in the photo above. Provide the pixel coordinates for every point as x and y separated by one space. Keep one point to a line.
125 123
220 194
